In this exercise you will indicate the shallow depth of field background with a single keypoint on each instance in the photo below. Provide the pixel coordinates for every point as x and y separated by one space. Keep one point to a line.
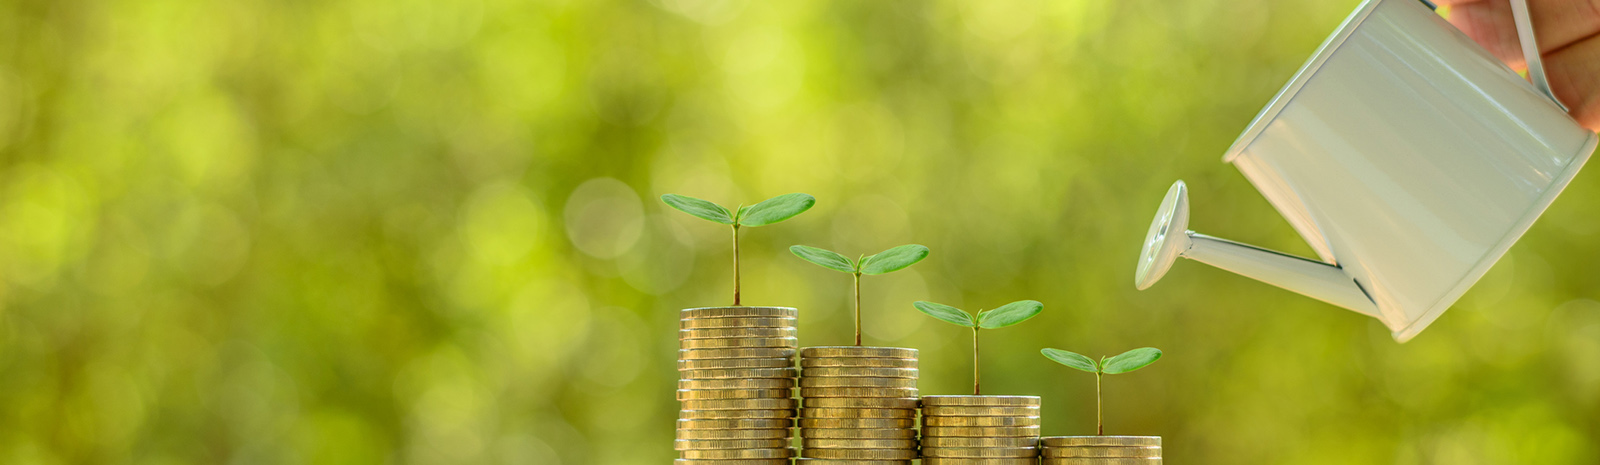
426 232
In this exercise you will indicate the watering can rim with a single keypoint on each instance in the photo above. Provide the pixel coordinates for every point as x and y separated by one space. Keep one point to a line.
1346 29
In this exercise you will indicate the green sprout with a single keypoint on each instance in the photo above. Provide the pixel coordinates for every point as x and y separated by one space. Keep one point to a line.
1126 362
767 212
894 259
1005 315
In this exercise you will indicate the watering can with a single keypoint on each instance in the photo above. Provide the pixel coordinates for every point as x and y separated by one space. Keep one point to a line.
1405 154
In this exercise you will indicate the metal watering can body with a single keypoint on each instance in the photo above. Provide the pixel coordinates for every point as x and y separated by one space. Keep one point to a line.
1406 155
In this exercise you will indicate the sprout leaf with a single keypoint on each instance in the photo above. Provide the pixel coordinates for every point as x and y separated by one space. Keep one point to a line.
894 259
1010 314
824 258
1071 359
946 313
775 209
1131 360
699 208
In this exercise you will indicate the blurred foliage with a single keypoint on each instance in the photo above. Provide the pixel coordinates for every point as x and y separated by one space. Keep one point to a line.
420 231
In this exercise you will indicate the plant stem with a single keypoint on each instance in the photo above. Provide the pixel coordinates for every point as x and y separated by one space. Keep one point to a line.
1099 421
858 307
975 386
736 265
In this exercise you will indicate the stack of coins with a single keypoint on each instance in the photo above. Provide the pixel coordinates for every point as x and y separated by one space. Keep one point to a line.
1101 450
737 386
980 430
860 405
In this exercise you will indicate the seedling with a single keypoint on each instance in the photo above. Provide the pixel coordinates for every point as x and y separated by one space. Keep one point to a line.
1126 362
767 212
894 259
1005 315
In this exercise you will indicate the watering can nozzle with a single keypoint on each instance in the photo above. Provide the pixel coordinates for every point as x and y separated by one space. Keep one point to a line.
1167 239
1170 238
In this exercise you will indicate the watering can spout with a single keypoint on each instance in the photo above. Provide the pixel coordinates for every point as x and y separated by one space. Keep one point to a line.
1169 238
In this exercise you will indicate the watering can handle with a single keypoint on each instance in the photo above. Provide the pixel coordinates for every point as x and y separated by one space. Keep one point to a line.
1530 50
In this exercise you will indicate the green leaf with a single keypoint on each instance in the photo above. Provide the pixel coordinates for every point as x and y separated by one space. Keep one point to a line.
776 209
1131 360
946 313
894 259
1010 314
824 258
1071 359
699 208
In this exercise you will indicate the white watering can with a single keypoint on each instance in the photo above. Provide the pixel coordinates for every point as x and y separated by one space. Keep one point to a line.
1406 155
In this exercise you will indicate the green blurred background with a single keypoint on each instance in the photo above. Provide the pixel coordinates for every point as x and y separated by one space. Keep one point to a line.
419 232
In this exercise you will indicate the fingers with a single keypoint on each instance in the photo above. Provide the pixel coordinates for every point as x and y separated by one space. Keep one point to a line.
1575 77
1556 23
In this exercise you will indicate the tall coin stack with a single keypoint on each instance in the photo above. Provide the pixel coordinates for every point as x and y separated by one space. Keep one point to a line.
1101 450
980 430
860 406
737 386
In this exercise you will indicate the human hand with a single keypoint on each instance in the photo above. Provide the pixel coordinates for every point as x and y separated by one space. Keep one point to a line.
1568 33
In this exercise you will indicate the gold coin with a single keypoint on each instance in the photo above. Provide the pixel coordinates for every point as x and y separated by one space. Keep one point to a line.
704 323
857 422
734 414
726 363
858 433
722 333
980 431
857 352
979 421
740 404
707 444
809 381
861 402
980 452
736 383
855 362
860 372
860 454
782 461
1060 441
1099 461
739 373
936 411
810 461
743 352
721 394
858 443
1103 451
743 423
858 413
753 433
737 312
724 454
740 342
966 461
858 392
979 442
984 401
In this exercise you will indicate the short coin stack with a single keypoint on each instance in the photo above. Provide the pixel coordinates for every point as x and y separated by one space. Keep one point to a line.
737 386
1101 450
980 430
860 405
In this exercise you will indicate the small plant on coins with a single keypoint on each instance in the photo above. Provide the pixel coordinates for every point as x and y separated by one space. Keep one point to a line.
1003 316
894 259
767 212
1126 362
